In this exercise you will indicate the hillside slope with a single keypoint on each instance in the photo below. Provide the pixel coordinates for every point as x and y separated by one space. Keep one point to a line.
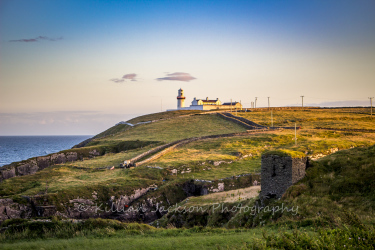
234 161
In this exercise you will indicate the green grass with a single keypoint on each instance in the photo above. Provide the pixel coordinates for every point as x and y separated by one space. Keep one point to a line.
336 191
174 129
345 179
163 115
161 239
105 234
110 234
113 130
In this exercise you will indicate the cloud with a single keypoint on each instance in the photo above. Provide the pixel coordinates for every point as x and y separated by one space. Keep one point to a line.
39 38
117 80
177 76
349 103
131 77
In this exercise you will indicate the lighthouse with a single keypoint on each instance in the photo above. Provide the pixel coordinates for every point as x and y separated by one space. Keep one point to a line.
180 99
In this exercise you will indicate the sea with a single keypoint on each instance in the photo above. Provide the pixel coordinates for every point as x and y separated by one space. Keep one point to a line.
18 148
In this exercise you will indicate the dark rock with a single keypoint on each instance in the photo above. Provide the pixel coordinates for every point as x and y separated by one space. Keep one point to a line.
43 162
28 168
192 189
71 156
58 158
13 210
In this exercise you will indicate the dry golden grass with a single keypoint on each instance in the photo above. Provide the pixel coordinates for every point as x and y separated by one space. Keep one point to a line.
350 118
223 197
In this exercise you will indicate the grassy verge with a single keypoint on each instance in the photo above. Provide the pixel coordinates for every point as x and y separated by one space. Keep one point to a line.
106 234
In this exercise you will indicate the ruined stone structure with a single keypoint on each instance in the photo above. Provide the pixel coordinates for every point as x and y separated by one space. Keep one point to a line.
280 172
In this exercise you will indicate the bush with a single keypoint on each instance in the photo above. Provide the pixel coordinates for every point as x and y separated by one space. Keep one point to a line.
362 238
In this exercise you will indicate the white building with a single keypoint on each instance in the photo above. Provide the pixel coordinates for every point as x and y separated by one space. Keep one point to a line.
197 102
204 104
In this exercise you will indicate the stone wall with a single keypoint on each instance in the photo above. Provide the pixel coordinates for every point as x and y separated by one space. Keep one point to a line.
246 121
278 173
232 118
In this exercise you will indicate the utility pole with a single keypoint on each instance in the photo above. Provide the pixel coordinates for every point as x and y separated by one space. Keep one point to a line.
295 133
268 103
371 103
256 102
302 101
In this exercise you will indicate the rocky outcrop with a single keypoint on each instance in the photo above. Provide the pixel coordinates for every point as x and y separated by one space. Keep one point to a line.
8 173
143 204
12 210
28 168
31 166
43 162
58 158
71 156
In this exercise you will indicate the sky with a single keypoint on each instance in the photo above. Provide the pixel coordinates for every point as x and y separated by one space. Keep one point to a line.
78 67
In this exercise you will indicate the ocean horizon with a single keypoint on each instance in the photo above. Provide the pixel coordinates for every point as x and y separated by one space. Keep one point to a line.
22 147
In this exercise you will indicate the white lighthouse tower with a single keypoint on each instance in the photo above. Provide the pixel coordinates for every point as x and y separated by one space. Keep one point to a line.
180 99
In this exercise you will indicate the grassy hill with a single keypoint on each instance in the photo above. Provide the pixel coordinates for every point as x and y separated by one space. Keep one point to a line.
173 129
336 191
